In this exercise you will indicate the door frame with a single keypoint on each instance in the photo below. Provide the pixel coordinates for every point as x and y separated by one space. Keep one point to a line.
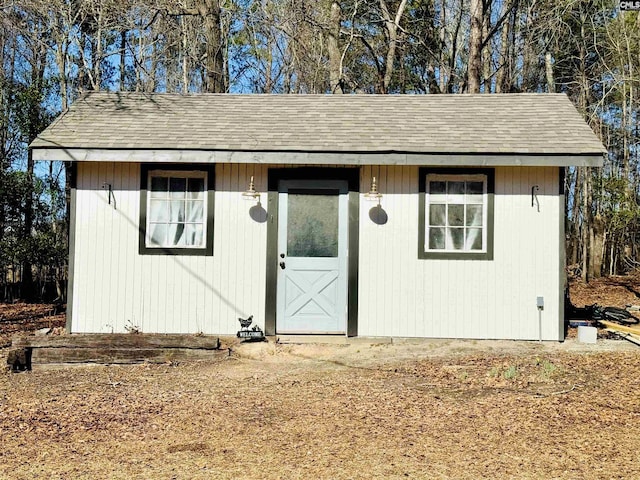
352 176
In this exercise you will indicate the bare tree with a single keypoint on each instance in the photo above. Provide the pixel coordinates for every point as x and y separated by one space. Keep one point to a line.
474 67
335 57
392 25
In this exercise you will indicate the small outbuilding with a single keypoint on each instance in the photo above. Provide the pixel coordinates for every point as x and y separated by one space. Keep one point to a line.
369 215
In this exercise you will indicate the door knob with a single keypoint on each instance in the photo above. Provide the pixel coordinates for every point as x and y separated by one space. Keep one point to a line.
282 266
282 255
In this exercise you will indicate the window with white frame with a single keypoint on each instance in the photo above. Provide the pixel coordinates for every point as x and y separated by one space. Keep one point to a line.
176 209
456 219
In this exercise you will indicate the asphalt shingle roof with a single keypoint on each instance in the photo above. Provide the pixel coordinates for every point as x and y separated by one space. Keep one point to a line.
509 123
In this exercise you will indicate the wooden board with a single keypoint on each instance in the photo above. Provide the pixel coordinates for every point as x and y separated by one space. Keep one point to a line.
42 356
620 328
120 341
627 336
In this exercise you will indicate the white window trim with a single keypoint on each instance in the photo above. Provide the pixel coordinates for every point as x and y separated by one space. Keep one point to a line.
177 174
431 177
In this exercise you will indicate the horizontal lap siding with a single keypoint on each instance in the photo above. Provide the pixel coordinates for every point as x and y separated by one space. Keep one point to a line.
116 288
401 295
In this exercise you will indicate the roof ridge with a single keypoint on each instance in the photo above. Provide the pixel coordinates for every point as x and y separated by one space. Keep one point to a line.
88 93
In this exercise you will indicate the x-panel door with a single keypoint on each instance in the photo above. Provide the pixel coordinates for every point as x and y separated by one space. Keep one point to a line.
312 256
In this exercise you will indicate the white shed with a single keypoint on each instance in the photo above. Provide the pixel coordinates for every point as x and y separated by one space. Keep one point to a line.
368 215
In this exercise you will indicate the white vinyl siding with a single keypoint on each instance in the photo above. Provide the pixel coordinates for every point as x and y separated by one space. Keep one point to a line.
115 286
399 294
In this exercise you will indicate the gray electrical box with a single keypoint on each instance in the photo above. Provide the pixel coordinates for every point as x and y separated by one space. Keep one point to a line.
540 303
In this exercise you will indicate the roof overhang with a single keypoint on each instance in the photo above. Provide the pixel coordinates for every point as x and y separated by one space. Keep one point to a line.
315 158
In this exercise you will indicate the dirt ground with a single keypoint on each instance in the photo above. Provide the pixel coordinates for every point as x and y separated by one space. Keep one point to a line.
439 409
615 291
27 318
436 409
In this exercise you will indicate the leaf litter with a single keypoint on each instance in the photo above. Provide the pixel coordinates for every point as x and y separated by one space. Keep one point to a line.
308 411
446 409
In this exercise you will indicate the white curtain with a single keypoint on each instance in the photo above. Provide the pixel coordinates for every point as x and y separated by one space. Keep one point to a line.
176 217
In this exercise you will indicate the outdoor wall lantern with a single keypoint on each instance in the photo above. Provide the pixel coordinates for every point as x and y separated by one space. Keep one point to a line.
257 211
250 193
373 194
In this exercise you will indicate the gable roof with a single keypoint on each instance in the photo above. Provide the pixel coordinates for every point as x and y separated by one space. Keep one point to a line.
485 125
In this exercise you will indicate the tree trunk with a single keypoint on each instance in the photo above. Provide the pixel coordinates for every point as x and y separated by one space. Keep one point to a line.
123 46
391 25
33 128
333 49
96 52
185 66
28 292
548 69
61 62
442 36
586 223
530 69
214 63
475 47
214 74
596 239
486 52
503 73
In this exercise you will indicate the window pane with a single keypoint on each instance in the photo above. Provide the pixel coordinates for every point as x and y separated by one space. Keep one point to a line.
474 215
474 239
456 188
455 238
177 211
475 188
193 235
436 239
456 192
195 210
474 192
195 187
177 186
159 187
158 211
456 215
437 192
437 187
176 235
158 234
312 229
462 199
437 215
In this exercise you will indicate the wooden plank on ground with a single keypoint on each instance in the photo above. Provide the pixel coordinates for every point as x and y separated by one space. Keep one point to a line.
621 328
119 340
627 336
41 356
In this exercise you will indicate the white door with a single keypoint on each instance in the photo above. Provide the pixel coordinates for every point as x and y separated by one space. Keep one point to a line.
312 256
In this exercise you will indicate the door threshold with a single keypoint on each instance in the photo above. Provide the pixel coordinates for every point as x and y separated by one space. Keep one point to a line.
331 339
306 338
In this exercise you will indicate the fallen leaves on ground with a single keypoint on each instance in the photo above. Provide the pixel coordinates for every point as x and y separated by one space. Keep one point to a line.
306 413
614 291
26 318
283 415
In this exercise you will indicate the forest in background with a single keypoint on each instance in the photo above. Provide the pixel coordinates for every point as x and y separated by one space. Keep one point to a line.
53 50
